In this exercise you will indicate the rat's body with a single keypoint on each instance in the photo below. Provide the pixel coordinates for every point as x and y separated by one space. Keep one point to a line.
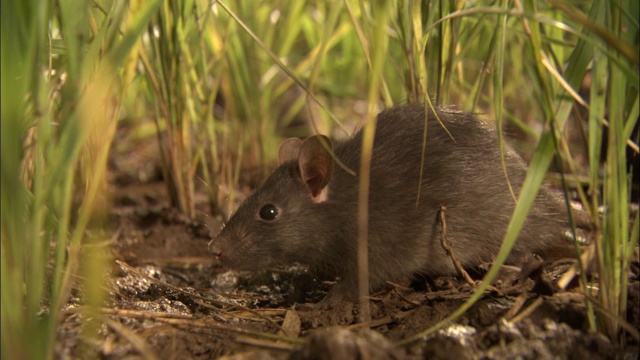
306 211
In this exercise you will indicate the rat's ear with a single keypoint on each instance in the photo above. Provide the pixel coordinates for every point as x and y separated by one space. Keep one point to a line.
289 150
315 165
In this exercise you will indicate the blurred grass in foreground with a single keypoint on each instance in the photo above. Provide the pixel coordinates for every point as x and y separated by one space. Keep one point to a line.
224 80
61 68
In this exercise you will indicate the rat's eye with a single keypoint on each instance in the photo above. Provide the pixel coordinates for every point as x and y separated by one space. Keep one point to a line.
268 212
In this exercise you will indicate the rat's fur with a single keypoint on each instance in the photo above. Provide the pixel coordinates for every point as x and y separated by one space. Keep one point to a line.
464 175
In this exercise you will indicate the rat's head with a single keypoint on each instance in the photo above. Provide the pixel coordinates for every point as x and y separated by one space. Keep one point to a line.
277 224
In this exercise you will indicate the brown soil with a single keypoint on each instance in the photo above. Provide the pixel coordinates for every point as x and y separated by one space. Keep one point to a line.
169 299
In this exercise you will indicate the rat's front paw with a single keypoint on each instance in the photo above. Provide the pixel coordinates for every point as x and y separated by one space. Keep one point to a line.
343 291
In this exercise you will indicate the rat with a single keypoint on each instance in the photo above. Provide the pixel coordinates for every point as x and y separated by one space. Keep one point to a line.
306 210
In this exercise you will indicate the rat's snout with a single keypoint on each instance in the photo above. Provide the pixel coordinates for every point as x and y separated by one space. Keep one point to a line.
214 248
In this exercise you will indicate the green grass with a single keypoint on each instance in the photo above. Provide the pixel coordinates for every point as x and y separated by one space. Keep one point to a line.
59 112
223 80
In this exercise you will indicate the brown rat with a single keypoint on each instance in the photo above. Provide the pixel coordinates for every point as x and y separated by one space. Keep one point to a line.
306 211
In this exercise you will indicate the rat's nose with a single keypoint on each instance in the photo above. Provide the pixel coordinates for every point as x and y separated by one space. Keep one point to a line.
214 249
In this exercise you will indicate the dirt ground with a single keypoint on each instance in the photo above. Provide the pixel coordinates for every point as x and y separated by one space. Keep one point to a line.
169 299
